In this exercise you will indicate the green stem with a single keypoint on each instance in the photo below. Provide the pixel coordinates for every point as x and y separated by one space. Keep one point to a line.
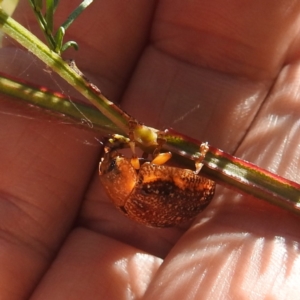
37 8
56 102
236 173
76 13
54 61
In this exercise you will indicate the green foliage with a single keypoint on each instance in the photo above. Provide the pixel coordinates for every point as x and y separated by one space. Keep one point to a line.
45 16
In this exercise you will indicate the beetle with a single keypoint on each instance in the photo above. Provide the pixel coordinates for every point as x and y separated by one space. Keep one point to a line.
154 195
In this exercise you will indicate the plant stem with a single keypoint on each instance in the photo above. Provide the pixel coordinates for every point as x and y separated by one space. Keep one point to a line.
56 102
238 174
55 62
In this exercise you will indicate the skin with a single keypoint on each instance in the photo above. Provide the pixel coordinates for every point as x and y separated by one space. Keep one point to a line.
226 74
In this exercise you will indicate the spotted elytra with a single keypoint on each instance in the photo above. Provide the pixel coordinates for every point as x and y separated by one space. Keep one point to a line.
154 195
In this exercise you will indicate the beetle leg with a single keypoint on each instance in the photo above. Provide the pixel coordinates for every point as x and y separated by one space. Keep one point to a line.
161 158
158 157
200 157
134 159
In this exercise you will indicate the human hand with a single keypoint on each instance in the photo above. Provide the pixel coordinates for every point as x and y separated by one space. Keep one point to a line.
222 74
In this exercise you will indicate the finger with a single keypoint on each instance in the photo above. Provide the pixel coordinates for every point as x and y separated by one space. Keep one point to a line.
45 168
93 266
216 71
234 252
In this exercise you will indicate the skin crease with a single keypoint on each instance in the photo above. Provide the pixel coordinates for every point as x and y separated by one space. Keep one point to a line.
227 74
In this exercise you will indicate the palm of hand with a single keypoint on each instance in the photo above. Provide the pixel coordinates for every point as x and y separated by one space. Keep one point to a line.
223 74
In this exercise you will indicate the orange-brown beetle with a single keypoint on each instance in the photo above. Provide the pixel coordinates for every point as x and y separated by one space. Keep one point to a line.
154 195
